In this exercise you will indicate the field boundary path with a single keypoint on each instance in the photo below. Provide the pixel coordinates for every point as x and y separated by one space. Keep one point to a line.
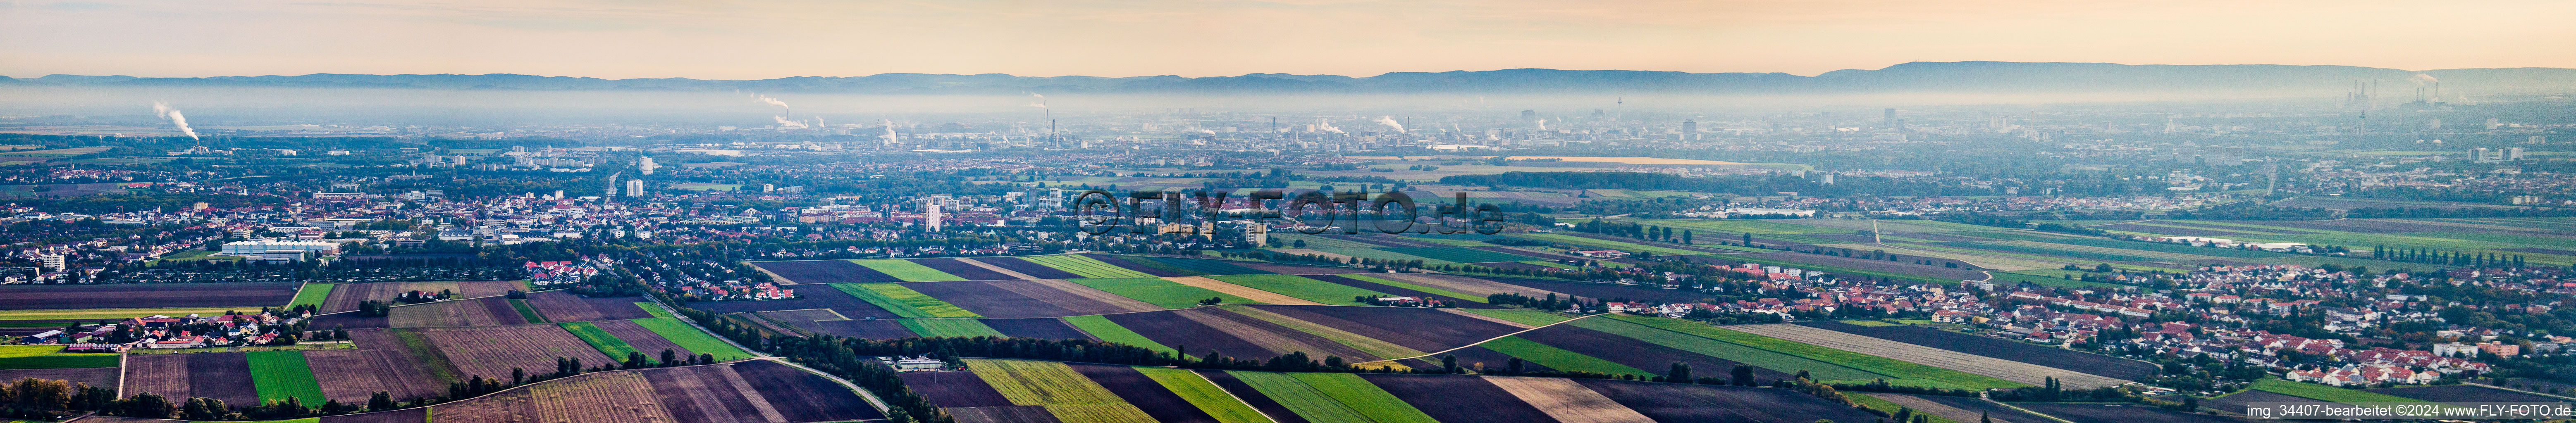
756 354
1507 335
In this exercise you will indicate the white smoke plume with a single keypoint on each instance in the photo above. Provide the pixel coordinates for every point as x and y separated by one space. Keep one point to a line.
783 123
1039 102
163 110
1542 124
1327 126
2421 79
889 127
1390 122
772 101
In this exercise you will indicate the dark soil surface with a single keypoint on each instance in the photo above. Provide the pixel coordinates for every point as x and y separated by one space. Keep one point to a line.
1003 414
991 300
1391 289
1639 354
1417 328
816 296
1452 398
1041 328
561 306
963 270
1296 269
2098 364
1026 267
1998 411
1469 356
954 389
1144 393
408 415
249 295
803 396
103 377
1132 263
1674 402
1167 328
1606 290
223 376
2464 393
2120 413
1259 402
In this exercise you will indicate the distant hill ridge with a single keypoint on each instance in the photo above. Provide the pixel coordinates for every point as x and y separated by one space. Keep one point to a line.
1982 77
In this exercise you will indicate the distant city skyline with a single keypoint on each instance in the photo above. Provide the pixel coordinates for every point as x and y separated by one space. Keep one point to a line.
589 38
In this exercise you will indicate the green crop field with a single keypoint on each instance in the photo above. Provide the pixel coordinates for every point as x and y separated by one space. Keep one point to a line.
1201 267
1373 346
1459 254
1067 394
1526 317
526 312
312 294
690 337
1883 406
284 374
907 270
1302 287
2325 393
1312 241
50 357
1856 361
1628 326
1412 286
1608 244
1085 266
1108 331
598 338
1207 396
1160 292
903 301
1313 396
2044 278
1558 358
654 309
949 327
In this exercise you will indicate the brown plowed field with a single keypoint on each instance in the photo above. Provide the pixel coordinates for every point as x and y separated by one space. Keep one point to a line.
1010 299
423 372
612 397
351 321
492 351
1633 353
1565 400
346 297
1273 337
970 271
165 374
1989 366
408 415
1674 402
102 377
1399 291
817 296
697 394
1169 328
1456 398
1251 396
823 271
1469 356
867 329
642 339
457 313
2120 413
1004 414
352 375
2107 366
562 306
1467 285
248 295
804 396
953 389
1041 328
223 376
1422 329
1030 268
1144 393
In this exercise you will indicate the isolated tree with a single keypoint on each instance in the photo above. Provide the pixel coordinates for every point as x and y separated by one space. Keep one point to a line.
380 401
1450 363
1681 372
670 358
1516 365
1743 375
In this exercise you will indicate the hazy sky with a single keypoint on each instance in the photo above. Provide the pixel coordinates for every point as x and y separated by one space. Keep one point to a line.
770 39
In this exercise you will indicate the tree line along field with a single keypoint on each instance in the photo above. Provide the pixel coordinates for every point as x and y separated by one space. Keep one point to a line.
995 390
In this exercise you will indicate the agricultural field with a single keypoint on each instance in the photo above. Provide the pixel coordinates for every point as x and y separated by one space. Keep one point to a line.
839 301
967 269
346 296
246 296
949 327
1101 328
562 306
751 391
1458 254
1169 266
1085 266
1374 347
1557 358
1778 365
2097 364
1025 298
1040 328
280 375
608 345
2087 412
907 271
312 295
2325 393
1066 393
1332 397
903 301
16 357
1955 369
222 376
488 311
1159 292
94 376
1301 288
2463 393
690 338
493 351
